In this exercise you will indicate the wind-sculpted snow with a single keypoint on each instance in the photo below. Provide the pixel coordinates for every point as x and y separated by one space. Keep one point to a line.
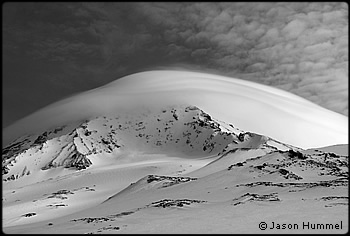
280 184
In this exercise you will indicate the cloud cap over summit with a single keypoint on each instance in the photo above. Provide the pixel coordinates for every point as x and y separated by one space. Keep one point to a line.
53 50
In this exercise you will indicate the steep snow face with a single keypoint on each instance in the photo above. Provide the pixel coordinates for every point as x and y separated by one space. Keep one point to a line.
177 131
185 132
247 105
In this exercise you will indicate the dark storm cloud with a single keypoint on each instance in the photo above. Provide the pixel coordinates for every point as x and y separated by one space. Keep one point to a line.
51 50
56 49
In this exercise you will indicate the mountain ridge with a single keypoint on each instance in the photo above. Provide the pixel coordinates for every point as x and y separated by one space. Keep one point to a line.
184 130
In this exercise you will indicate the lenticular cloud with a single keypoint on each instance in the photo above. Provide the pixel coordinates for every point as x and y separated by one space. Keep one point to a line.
247 105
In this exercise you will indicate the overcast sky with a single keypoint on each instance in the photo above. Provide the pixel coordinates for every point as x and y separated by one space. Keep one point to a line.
54 50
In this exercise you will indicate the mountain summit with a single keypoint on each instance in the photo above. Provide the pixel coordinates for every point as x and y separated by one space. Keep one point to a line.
184 131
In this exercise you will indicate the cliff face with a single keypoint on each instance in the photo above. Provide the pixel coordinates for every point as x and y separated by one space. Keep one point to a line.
71 159
42 152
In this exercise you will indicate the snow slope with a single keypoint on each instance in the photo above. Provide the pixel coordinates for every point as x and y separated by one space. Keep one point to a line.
182 131
250 106
278 186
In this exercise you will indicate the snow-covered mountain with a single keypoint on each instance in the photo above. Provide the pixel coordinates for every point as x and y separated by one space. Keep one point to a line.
184 131
161 152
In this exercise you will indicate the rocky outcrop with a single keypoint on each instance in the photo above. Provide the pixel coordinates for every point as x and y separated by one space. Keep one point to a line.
303 185
168 181
166 203
29 214
41 139
78 161
73 159
14 149
250 197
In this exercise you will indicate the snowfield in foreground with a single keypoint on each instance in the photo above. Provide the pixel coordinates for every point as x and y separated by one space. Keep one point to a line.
177 152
